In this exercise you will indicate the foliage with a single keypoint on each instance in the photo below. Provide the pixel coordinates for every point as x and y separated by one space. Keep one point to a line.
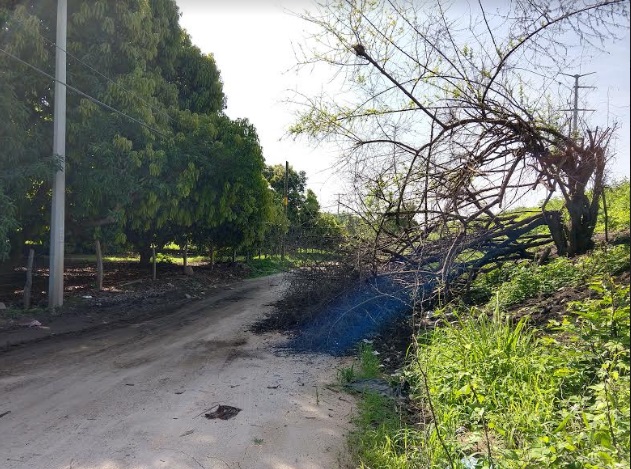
493 393
158 162
617 196
296 186
521 281
7 224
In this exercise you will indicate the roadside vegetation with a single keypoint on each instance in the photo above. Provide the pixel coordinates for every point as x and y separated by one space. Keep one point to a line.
498 378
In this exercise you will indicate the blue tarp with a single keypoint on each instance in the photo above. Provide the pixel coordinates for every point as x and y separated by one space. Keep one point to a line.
356 315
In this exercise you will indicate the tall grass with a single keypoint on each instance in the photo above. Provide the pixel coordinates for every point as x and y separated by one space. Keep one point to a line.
488 392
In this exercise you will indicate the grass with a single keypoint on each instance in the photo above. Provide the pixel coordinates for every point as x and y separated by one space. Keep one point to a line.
487 392
512 284
92 258
368 366
261 266
379 439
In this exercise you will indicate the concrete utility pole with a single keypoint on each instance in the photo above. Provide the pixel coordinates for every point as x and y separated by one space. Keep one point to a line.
286 199
574 128
286 203
58 209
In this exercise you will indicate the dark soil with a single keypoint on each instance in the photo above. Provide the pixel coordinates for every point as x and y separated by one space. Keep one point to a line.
129 294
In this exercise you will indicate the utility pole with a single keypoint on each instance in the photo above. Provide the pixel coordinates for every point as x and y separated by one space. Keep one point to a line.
58 209
575 109
286 203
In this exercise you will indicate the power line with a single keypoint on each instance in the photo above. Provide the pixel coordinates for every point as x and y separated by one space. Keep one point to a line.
54 44
82 93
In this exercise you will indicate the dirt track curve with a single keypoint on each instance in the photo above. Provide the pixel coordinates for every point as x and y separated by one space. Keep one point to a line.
135 397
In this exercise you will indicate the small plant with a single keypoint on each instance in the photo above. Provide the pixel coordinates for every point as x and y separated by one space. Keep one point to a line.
369 361
346 375
258 441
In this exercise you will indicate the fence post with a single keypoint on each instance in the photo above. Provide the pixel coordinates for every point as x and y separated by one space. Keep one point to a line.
29 279
99 265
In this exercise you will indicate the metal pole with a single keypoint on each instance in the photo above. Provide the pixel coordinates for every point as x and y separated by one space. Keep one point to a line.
574 126
56 267
575 115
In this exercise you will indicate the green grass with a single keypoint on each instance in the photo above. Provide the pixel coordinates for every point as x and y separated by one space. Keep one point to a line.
491 393
618 196
379 439
512 284
367 366
262 266
92 258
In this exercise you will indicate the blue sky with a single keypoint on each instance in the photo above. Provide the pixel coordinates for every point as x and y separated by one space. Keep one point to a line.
252 42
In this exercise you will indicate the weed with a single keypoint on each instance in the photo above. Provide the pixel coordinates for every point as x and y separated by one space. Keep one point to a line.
491 393
369 361
346 375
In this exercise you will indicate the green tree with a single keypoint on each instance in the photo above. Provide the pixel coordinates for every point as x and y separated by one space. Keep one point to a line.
154 160
25 130
231 196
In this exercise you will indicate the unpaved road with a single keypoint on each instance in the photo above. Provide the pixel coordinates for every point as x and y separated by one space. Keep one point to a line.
135 396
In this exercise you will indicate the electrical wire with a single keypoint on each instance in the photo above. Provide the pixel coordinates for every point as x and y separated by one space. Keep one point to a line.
88 66
82 93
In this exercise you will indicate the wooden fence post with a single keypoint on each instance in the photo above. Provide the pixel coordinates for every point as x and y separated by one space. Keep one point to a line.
29 279
99 265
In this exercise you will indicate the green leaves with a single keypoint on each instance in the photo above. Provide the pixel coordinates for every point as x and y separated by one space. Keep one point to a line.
168 164
525 398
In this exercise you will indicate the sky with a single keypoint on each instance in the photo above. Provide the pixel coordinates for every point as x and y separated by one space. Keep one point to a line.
252 46
252 42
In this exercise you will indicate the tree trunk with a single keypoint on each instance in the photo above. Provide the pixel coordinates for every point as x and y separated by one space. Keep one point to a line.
234 255
29 279
99 265
582 224
185 255
211 252
558 231
145 255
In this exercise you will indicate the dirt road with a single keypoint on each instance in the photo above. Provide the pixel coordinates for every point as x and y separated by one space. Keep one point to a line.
135 396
